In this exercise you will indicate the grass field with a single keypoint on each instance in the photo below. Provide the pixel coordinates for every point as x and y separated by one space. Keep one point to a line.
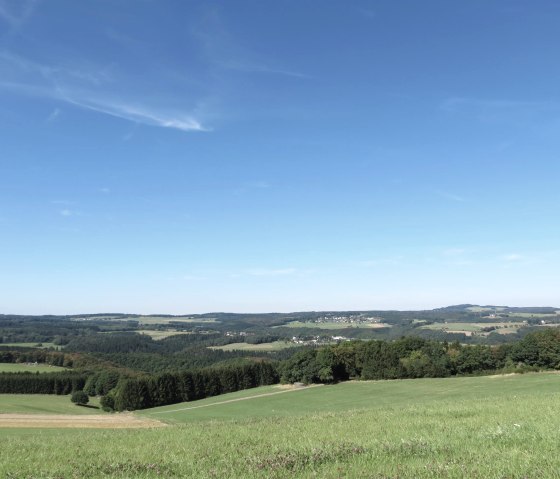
274 346
166 320
160 334
480 427
44 404
20 368
469 328
534 315
334 325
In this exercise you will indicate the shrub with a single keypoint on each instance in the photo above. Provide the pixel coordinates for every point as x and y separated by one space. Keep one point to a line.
79 397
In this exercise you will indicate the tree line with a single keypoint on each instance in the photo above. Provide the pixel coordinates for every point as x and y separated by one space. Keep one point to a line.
414 357
170 388
42 383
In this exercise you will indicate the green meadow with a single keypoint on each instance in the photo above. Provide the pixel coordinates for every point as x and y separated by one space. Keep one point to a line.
273 346
24 367
44 404
157 335
459 327
476 427
334 325
167 320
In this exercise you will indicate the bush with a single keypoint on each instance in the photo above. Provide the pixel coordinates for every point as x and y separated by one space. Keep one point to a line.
79 397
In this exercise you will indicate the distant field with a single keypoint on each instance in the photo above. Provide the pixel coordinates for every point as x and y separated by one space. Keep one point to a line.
166 320
21 367
480 309
274 346
33 345
333 325
469 328
479 427
160 334
533 315
158 319
44 404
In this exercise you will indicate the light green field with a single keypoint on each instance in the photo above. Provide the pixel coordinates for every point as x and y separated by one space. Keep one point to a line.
481 427
334 325
374 395
274 346
160 334
503 327
480 309
533 315
44 404
178 319
33 345
21 368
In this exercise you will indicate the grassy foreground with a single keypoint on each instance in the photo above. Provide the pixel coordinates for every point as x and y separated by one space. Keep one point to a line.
486 427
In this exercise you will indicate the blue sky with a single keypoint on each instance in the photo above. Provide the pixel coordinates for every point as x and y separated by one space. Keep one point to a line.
181 157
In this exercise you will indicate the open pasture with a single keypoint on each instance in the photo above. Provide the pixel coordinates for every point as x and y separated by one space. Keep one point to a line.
469 328
372 395
274 346
157 335
534 315
28 367
177 319
45 404
480 427
334 325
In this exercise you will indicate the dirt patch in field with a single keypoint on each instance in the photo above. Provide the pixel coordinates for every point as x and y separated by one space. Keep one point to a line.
110 421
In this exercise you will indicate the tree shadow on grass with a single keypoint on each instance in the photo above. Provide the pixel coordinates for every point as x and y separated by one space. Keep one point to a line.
90 406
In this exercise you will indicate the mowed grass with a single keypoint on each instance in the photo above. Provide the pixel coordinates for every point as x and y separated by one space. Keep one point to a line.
273 346
503 327
157 335
167 320
374 395
24 367
334 325
44 404
484 428
534 315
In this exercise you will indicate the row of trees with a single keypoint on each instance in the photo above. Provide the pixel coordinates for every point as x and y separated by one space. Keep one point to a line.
43 356
417 357
42 383
171 388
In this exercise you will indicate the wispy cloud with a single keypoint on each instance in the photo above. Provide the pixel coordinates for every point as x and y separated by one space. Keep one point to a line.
453 252
254 185
271 272
522 113
225 52
135 113
66 212
82 89
512 257
16 12
450 196
372 263
253 67
454 104
53 116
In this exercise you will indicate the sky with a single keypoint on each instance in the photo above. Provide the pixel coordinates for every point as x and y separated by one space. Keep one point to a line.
174 156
